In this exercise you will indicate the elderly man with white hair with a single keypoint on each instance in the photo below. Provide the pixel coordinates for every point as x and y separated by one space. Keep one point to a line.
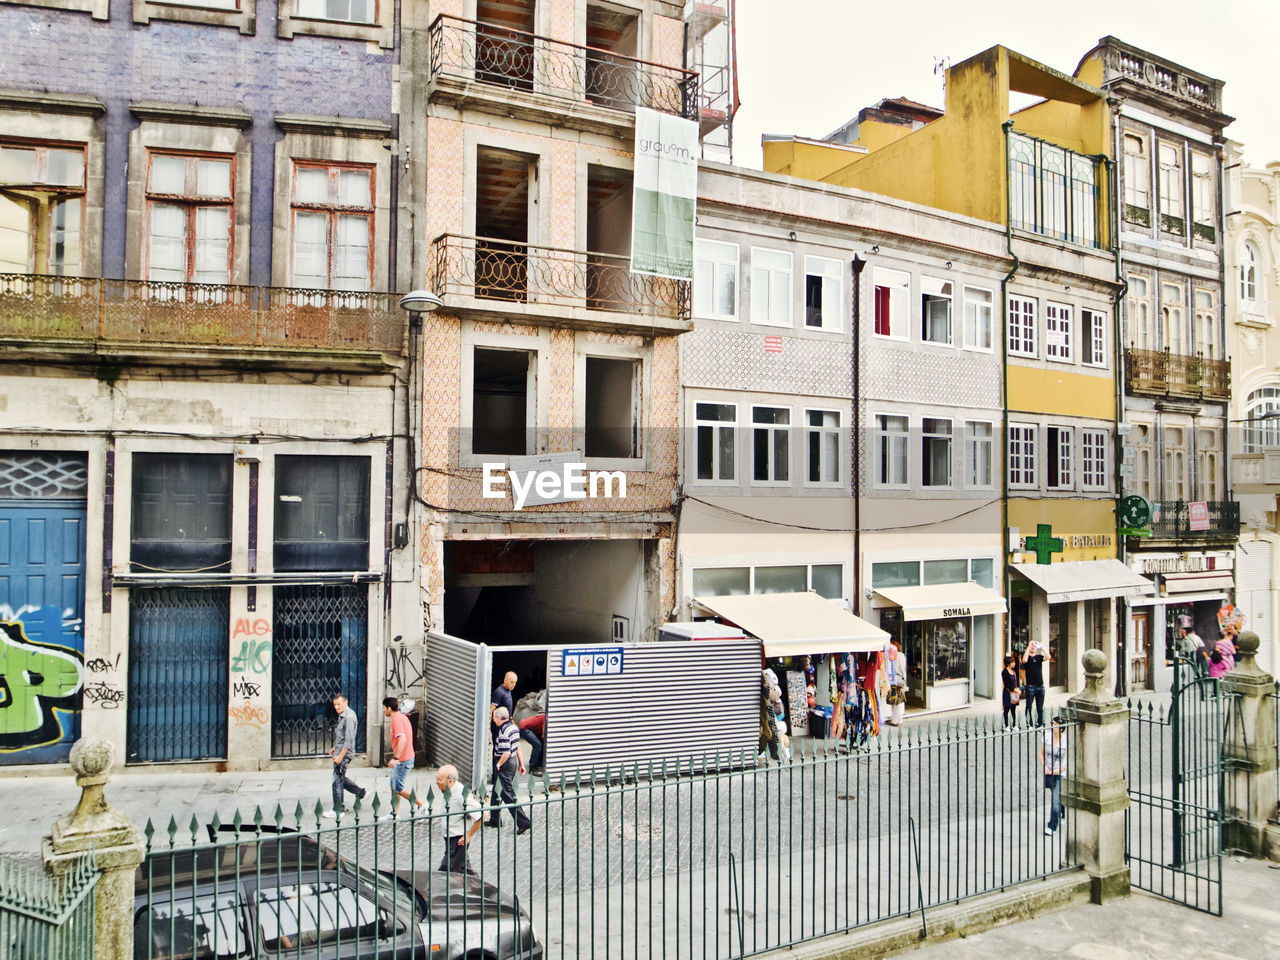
506 762
459 808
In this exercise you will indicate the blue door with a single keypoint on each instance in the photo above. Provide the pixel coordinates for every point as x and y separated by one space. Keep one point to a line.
41 623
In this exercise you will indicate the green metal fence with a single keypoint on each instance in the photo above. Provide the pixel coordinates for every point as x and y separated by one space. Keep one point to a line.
44 918
714 858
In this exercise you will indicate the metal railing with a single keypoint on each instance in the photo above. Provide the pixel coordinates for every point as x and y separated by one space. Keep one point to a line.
505 271
47 918
505 57
1160 373
709 858
1171 520
52 308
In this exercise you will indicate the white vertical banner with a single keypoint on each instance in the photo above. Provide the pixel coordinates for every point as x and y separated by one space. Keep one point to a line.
666 193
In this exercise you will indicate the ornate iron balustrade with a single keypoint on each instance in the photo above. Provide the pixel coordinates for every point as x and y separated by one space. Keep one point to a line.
1161 373
1171 520
51 308
508 272
525 61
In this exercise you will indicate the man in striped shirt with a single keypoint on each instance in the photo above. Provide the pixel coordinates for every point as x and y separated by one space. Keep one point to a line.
506 762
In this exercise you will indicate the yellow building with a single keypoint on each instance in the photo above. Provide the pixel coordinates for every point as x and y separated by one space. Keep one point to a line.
1043 173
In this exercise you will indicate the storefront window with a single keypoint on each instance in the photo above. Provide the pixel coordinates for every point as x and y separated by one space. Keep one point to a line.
981 572
949 650
721 581
780 580
1059 620
946 571
900 573
828 580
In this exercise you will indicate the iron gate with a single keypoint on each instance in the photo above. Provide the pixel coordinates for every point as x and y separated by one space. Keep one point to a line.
321 647
1174 768
177 694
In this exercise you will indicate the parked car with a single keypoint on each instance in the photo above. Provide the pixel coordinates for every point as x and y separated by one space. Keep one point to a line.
291 897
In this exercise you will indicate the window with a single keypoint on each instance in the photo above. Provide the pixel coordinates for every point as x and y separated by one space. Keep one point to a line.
1203 207
715 425
1057 443
1022 327
1093 338
181 512
1057 332
332 227
1248 272
611 407
891 450
1171 188
1175 463
825 579
1137 180
1140 440
502 414
189 202
1208 341
205 927
715 280
344 11
823 292
935 310
892 289
896 573
317 912
982 571
1052 191
1093 459
771 450
1138 311
770 287
1208 450
935 452
789 579
722 582
823 442
1022 455
945 571
977 318
1262 423
322 513
1171 302
41 209
980 452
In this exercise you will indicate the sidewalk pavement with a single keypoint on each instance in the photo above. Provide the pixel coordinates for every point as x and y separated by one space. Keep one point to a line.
1142 927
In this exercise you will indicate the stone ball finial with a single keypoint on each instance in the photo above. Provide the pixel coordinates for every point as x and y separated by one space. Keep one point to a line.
1095 662
92 756
1247 642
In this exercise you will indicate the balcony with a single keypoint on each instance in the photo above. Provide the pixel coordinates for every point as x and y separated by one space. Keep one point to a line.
1256 472
1171 521
113 315
1159 373
524 283
512 72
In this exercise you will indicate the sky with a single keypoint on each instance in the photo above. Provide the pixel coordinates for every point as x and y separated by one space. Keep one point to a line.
807 66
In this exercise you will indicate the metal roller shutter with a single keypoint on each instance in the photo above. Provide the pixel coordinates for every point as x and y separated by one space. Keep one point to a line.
1253 596
457 707
672 702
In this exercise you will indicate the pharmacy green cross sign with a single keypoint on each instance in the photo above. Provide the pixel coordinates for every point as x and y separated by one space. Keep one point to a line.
1044 544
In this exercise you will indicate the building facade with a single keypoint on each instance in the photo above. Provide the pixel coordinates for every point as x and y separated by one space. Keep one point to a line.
203 463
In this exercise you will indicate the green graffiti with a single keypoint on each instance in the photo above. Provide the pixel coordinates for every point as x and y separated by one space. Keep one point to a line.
35 680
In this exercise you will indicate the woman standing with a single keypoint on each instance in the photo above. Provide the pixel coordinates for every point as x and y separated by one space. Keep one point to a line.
1053 758
1223 657
1010 695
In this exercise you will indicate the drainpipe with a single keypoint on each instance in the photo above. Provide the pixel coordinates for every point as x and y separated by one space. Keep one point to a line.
855 458
1004 389
1122 288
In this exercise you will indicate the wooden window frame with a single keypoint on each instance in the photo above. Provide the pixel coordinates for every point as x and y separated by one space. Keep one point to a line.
333 211
58 190
191 203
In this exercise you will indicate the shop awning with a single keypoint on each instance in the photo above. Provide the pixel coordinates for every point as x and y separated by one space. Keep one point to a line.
795 624
1084 580
1199 582
944 600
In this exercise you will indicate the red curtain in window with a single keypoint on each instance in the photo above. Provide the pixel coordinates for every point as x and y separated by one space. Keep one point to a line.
882 311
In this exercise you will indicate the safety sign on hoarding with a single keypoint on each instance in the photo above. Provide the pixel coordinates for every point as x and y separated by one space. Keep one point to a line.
591 661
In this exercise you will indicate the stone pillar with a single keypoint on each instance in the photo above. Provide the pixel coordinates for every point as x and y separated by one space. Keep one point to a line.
1098 791
116 846
1249 752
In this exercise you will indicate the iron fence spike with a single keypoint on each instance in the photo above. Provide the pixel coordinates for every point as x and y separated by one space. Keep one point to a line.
257 816
237 822
298 814
216 823
194 827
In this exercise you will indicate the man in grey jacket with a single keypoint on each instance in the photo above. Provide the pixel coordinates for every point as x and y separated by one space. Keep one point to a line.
344 748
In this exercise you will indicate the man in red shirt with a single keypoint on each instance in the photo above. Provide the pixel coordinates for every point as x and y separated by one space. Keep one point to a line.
401 761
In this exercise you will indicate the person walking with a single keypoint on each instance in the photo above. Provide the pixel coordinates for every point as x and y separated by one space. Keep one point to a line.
402 755
1010 695
1033 661
895 668
1191 648
344 748
1223 658
506 762
1053 759
462 820
501 697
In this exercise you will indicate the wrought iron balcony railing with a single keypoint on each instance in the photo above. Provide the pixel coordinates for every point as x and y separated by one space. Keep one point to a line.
1159 373
1172 520
39 307
504 57
507 272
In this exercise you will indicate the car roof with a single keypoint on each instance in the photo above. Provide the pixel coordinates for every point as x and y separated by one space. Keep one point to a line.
199 865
